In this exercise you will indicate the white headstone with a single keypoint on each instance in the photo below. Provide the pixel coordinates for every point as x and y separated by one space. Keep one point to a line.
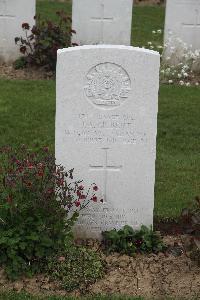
182 22
102 22
106 124
12 14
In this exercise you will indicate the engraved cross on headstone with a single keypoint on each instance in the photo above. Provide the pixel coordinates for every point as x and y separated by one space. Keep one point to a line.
106 167
194 25
4 17
102 19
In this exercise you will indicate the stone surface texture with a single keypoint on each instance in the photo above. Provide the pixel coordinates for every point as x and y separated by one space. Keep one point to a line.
182 25
12 14
106 124
102 22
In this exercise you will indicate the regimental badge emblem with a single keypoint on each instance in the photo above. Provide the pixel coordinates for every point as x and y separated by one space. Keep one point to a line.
107 85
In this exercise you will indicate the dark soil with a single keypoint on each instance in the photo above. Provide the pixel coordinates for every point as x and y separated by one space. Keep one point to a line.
149 2
9 72
170 227
171 274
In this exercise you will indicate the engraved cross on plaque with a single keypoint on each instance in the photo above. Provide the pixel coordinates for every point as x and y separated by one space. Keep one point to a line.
4 17
102 19
106 167
194 25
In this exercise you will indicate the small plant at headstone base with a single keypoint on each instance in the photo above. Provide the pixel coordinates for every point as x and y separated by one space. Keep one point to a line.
190 218
20 63
187 71
129 241
40 44
39 204
76 268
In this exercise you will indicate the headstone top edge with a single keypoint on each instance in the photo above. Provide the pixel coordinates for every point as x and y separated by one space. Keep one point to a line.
115 47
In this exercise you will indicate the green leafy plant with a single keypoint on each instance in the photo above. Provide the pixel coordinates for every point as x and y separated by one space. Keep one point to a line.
129 241
20 63
76 268
39 204
40 46
190 218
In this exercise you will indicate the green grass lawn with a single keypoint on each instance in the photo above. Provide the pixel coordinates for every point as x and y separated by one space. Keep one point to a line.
27 115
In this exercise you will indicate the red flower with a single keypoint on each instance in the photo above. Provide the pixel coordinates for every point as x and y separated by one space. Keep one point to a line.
23 49
30 166
26 26
46 149
29 184
78 194
50 191
77 203
60 182
17 162
95 188
82 197
138 242
20 169
94 198
40 174
81 187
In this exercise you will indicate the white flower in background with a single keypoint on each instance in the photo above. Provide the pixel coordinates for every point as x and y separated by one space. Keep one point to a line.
186 67
188 60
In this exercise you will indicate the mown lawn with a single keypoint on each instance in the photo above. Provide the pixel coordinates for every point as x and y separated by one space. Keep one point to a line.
27 115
